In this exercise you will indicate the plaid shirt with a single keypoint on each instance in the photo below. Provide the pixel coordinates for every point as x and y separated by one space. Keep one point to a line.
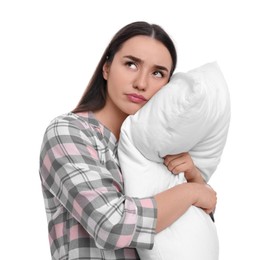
89 217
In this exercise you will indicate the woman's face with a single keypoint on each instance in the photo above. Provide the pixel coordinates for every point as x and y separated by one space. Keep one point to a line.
139 69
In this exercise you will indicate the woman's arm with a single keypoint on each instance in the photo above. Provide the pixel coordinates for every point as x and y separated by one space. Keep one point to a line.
174 202
78 185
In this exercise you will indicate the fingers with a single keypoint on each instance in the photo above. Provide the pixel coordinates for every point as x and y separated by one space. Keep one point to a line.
176 163
169 158
210 211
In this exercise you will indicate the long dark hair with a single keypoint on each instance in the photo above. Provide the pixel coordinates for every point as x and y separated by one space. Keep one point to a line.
94 96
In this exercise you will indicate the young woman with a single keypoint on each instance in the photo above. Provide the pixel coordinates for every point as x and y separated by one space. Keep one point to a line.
89 217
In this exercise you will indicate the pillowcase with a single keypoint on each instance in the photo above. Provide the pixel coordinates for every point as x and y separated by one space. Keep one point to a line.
190 114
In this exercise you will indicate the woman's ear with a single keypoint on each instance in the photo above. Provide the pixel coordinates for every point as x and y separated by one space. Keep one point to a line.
105 70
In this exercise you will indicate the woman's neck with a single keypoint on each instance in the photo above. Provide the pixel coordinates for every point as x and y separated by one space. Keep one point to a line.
112 118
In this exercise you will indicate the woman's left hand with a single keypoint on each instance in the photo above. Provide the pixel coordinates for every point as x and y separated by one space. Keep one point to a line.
183 163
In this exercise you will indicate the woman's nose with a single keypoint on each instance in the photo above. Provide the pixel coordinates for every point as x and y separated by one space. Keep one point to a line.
141 81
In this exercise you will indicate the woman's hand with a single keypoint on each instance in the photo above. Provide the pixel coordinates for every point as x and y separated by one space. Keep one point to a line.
183 163
174 202
206 198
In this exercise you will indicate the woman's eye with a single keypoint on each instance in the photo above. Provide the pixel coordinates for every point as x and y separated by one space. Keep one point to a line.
158 74
131 65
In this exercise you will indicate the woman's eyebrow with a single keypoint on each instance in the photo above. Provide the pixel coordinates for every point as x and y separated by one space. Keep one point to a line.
159 67
138 60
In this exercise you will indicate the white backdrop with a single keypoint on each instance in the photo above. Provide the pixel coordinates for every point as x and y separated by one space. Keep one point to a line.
48 51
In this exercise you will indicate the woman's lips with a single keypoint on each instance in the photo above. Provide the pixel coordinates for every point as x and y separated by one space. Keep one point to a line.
136 98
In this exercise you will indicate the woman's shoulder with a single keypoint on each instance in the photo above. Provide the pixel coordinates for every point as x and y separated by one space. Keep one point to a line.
79 126
73 124
81 120
78 129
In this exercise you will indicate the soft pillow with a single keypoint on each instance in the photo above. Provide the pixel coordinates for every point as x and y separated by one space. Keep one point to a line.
190 114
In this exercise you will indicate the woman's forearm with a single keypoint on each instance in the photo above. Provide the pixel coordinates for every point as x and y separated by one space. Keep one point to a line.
195 176
174 202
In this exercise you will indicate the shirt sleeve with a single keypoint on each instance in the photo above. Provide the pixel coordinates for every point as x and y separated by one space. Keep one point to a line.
71 169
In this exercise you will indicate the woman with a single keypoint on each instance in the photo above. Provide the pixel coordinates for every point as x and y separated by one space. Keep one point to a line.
89 217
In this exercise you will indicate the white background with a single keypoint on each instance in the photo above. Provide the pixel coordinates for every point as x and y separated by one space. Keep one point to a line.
48 52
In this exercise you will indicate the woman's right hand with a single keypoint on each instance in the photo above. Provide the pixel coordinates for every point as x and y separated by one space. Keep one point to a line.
206 197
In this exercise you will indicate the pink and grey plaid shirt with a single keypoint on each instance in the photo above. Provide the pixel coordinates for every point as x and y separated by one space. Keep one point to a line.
89 217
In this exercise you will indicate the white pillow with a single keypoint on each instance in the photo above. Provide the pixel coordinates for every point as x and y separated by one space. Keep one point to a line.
190 114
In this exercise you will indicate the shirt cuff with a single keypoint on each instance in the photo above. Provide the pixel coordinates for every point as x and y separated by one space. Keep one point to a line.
146 223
